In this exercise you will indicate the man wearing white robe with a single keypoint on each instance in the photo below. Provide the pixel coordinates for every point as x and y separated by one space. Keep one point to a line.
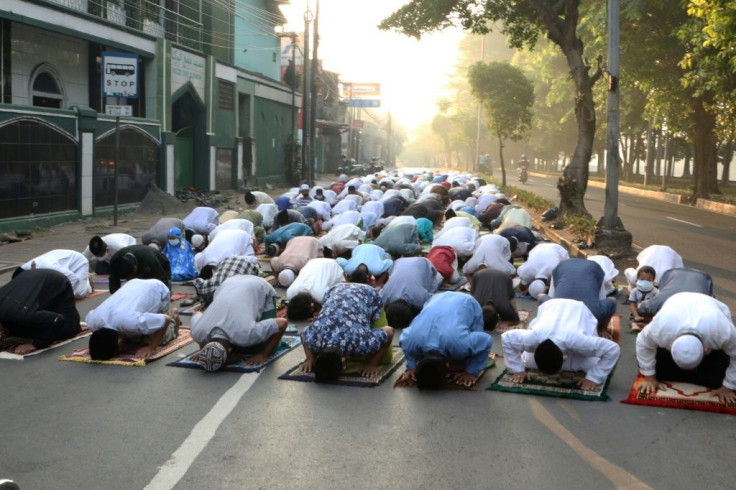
229 243
71 263
138 312
491 252
571 326
687 321
315 278
461 239
202 220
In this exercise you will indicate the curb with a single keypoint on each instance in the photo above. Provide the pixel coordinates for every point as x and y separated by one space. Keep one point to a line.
706 204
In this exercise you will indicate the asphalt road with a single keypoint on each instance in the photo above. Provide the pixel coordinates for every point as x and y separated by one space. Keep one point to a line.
706 240
69 425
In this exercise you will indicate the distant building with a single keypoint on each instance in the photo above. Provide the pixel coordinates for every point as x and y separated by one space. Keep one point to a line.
196 83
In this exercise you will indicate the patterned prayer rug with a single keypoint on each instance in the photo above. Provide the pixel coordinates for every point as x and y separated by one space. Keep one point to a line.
502 327
562 385
101 279
190 310
679 395
454 287
94 294
236 362
12 342
451 385
127 355
351 376
178 296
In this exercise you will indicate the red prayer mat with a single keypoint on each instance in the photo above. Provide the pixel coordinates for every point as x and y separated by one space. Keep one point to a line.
178 296
679 395
127 356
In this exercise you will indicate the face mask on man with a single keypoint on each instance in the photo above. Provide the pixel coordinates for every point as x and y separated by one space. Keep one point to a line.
644 286
174 242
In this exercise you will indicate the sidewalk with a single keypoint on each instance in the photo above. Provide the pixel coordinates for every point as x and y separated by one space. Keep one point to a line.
717 207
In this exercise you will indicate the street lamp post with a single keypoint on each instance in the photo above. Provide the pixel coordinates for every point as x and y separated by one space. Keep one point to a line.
610 233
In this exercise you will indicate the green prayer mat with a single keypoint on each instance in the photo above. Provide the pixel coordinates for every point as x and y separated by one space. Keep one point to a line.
563 385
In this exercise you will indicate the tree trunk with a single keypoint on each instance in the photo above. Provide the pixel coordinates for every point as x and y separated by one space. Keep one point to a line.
561 20
500 159
651 150
705 141
727 157
686 167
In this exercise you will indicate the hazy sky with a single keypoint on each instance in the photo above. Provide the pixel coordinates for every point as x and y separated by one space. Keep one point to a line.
412 73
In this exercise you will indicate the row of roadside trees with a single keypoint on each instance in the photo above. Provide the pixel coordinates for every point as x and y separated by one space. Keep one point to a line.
678 79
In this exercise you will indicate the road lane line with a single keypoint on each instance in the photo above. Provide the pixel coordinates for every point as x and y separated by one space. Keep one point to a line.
176 467
615 474
570 411
683 221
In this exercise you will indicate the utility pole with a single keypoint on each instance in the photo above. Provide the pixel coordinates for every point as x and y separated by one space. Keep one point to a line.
307 103
313 95
610 233
476 165
390 153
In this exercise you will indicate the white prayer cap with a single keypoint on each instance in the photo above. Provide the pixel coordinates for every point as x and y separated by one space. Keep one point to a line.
286 277
536 288
154 246
197 241
304 187
687 351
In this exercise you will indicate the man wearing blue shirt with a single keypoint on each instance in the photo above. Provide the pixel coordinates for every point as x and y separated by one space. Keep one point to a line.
448 332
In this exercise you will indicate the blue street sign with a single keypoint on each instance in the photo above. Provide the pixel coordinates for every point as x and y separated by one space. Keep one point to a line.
364 103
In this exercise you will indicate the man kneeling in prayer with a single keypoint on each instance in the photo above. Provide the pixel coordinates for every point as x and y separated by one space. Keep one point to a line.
136 313
691 339
38 305
563 336
446 336
242 315
342 331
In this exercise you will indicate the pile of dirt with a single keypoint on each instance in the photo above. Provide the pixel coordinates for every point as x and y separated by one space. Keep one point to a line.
158 202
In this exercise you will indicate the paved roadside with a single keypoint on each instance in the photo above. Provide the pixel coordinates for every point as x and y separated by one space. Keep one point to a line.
716 207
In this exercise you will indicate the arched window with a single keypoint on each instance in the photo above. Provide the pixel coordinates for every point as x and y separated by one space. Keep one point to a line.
46 90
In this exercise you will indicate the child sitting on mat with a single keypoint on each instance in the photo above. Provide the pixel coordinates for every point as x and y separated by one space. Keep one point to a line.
342 331
644 290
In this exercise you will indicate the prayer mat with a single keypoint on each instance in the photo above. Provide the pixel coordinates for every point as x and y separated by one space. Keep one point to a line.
12 342
94 294
351 376
679 395
182 283
127 355
451 385
454 287
263 258
523 296
236 362
502 327
102 279
190 310
562 385
178 296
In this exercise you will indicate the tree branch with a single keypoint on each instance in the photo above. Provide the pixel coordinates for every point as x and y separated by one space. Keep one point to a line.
550 18
599 72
